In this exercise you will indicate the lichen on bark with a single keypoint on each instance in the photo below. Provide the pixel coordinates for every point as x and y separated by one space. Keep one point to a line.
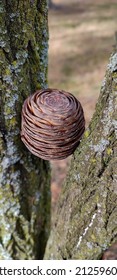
24 179
85 222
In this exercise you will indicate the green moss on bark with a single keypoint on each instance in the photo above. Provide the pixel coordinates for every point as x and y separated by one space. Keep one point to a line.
24 179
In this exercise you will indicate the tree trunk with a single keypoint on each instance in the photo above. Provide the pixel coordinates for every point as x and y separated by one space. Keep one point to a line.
50 3
85 221
25 179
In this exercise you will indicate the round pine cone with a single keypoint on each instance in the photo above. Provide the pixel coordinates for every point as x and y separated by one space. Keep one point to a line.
52 123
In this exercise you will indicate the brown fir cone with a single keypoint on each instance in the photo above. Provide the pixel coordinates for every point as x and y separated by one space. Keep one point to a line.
52 123
110 253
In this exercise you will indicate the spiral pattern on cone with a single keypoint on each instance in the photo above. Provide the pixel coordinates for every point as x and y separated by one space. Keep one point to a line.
52 123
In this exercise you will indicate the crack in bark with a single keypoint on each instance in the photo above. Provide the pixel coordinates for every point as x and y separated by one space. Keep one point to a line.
2 122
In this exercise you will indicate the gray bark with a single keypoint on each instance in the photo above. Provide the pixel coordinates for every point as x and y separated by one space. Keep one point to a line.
24 179
85 222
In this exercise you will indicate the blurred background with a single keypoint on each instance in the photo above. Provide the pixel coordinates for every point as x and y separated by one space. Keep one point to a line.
82 34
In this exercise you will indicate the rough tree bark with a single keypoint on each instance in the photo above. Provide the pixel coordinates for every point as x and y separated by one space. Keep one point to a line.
85 221
24 179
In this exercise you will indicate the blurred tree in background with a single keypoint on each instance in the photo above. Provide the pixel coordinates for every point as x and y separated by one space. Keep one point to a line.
50 3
